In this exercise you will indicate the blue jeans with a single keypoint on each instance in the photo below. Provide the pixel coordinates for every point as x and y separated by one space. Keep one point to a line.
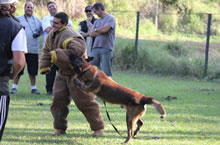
103 60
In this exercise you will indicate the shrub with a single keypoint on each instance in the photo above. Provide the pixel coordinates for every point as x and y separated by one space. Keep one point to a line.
175 49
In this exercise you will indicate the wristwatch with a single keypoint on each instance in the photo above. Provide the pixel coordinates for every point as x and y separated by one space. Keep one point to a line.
95 30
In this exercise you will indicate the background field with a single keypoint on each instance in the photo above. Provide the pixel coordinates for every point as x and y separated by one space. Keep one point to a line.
193 118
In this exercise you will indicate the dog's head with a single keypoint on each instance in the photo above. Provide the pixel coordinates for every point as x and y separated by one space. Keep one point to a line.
79 64
85 72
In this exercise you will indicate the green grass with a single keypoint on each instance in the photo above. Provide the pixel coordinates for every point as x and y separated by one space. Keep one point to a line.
193 118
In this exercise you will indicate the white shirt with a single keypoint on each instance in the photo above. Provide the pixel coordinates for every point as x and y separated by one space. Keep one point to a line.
20 42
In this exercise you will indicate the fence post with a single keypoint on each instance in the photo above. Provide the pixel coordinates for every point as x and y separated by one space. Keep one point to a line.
207 44
136 39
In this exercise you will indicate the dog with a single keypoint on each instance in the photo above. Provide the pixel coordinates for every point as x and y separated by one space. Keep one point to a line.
92 80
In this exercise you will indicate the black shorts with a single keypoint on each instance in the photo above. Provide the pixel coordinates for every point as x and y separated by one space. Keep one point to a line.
32 64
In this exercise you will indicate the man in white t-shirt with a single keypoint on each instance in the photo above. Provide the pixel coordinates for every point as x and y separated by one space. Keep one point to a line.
13 45
33 30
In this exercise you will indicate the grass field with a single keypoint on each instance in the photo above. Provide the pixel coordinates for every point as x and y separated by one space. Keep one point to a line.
193 118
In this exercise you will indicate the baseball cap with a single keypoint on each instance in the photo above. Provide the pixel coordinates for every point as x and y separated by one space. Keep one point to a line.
88 8
7 1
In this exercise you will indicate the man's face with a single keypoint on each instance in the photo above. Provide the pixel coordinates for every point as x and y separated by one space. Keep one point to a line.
52 8
57 24
29 9
89 13
97 11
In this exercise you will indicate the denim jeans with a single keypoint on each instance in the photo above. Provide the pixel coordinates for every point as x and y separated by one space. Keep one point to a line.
103 60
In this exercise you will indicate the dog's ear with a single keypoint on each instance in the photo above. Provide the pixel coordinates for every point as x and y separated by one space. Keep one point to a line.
90 58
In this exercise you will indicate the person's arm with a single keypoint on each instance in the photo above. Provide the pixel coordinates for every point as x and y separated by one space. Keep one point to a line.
19 48
76 47
101 30
18 65
45 58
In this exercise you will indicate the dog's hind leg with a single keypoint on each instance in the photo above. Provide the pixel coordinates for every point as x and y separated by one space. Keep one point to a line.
134 112
140 112
130 126
139 125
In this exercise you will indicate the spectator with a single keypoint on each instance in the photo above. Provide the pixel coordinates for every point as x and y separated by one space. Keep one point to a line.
46 24
86 26
104 31
64 40
12 59
33 30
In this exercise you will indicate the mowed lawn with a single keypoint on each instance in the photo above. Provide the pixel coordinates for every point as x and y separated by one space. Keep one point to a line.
193 115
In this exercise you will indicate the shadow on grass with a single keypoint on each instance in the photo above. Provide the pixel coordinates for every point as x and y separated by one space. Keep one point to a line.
42 136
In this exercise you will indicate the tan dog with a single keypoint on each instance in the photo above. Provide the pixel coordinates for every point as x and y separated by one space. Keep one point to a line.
92 80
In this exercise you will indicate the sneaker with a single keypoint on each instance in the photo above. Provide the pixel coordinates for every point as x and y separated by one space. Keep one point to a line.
35 91
13 91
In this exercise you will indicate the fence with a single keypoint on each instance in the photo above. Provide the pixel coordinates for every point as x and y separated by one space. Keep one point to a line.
198 29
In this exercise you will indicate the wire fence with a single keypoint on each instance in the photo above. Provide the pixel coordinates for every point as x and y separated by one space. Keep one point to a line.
190 29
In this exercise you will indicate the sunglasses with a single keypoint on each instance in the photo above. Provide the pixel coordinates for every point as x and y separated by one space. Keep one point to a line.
88 11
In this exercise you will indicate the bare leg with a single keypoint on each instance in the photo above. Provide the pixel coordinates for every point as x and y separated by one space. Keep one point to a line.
32 80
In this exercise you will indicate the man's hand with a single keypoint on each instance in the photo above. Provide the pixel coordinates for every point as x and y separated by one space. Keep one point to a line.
48 29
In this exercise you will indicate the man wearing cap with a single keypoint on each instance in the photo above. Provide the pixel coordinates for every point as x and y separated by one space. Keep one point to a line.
86 26
12 59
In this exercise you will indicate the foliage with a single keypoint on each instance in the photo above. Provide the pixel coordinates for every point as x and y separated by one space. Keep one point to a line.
175 49
168 58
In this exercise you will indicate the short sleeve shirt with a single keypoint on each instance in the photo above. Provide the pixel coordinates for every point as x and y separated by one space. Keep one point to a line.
32 26
105 40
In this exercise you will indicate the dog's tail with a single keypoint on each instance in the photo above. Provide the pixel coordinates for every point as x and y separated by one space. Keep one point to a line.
155 103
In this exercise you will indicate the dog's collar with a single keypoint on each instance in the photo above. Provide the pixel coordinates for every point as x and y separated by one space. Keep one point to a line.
78 82
84 70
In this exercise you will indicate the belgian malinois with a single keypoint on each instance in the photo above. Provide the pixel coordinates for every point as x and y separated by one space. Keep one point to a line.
92 80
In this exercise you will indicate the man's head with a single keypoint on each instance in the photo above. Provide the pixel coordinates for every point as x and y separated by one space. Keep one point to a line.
28 9
60 20
7 7
99 9
52 8
88 11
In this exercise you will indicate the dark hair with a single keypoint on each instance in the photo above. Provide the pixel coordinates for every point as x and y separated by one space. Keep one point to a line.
50 2
63 16
98 5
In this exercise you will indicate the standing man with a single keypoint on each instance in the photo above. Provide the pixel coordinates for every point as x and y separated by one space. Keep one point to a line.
13 45
104 31
59 44
33 30
47 27
86 26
